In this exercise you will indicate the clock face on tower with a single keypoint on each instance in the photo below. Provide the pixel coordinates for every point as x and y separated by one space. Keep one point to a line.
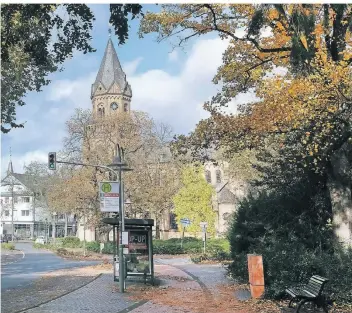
114 106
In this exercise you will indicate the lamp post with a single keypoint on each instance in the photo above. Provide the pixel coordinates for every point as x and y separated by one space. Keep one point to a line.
119 165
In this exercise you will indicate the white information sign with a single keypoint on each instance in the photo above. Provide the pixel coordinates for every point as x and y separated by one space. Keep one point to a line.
125 237
109 196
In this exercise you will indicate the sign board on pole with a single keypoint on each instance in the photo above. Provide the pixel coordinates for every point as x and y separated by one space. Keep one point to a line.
203 225
125 237
109 196
185 222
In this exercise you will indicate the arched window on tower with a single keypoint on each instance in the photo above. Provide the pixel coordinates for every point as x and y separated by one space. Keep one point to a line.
208 176
125 107
101 111
218 176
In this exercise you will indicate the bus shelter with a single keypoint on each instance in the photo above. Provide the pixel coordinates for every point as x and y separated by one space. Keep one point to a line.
137 250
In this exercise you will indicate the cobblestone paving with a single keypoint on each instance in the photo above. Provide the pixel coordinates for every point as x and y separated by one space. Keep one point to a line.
210 275
96 297
102 296
150 307
45 289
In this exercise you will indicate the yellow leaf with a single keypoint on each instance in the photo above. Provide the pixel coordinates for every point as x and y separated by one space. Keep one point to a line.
304 41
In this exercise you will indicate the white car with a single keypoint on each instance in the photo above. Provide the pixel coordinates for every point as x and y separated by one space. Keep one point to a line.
41 240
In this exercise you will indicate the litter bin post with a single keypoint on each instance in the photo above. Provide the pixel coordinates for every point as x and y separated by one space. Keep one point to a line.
256 275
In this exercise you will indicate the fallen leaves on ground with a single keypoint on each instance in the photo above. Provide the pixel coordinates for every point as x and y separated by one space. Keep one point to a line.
81 271
191 297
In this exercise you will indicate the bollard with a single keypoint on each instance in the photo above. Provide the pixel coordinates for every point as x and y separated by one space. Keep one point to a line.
256 275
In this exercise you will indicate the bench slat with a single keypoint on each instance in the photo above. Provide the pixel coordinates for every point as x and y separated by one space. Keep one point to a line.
311 290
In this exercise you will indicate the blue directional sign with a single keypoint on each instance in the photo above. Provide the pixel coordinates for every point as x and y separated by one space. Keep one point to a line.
185 222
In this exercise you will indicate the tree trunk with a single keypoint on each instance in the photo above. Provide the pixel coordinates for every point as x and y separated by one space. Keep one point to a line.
339 186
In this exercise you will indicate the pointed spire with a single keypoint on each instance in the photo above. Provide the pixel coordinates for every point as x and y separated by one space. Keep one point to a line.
10 167
110 71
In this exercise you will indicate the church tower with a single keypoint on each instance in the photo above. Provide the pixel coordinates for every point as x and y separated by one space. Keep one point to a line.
111 93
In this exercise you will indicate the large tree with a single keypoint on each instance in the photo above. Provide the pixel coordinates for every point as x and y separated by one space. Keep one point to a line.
37 38
151 184
297 59
194 200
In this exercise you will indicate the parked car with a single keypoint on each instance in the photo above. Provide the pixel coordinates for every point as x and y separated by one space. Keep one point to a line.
41 240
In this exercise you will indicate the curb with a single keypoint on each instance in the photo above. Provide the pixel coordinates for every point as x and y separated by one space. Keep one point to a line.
205 289
60 296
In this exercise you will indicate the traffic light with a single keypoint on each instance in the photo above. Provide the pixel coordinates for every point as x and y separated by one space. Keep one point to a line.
52 161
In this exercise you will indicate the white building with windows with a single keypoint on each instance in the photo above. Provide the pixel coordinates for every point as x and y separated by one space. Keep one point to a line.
22 215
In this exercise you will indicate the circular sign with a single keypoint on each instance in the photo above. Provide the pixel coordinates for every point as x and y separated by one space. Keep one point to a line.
106 187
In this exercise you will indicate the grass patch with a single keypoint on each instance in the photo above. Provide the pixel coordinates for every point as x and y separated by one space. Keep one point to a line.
8 246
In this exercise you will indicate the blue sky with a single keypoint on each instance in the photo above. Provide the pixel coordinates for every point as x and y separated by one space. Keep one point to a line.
170 85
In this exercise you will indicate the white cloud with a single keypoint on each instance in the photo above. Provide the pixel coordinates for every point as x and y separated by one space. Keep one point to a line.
173 56
77 91
176 99
131 67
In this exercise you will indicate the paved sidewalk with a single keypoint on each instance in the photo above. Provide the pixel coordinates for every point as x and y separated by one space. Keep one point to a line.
98 296
102 296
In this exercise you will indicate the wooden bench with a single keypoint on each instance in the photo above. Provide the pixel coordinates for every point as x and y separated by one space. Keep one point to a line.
311 292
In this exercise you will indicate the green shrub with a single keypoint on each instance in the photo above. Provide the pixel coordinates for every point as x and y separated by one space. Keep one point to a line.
286 264
167 247
71 242
216 249
109 248
8 246
93 246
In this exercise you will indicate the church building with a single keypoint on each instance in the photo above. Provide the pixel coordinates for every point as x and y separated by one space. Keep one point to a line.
112 94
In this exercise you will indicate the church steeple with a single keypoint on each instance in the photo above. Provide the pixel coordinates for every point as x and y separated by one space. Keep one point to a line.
110 73
10 167
111 93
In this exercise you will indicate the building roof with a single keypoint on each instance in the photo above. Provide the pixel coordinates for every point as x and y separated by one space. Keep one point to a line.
111 72
24 179
226 196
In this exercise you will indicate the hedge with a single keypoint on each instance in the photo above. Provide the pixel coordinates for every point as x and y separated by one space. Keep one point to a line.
71 242
215 248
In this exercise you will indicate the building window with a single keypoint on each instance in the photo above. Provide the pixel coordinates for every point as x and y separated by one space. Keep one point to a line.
25 199
25 212
15 200
125 107
101 111
208 176
114 106
218 176
7 200
7 213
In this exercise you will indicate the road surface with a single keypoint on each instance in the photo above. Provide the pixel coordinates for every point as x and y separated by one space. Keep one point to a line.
32 265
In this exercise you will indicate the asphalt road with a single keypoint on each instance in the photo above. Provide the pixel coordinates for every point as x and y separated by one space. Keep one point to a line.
32 265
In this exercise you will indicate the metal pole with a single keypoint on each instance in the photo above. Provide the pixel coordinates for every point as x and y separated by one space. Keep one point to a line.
121 225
